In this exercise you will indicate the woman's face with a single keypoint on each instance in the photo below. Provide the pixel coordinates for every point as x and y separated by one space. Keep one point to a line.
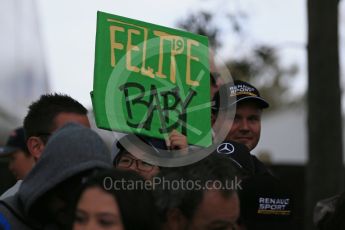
97 209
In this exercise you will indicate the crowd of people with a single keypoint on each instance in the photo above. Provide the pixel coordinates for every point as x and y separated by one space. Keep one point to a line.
69 179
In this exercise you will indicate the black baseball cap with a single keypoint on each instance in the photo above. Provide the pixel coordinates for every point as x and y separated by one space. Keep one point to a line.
16 141
239 154
155 145
232 94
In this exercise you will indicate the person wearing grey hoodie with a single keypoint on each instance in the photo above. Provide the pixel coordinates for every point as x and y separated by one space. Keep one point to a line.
43 201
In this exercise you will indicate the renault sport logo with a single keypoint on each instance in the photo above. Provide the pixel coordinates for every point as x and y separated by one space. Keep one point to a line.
225 148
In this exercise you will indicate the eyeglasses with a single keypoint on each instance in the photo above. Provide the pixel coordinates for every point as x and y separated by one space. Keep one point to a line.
126 162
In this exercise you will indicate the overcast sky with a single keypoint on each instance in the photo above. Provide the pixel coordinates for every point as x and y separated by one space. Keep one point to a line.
68 31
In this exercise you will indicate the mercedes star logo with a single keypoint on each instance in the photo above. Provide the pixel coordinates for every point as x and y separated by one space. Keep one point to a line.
226 148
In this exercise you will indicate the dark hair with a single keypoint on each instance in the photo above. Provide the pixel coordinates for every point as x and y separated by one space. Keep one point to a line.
215 167
152 144
136 205
40 117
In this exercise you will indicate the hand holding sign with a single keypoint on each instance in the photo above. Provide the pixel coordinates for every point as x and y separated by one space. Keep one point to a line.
177 141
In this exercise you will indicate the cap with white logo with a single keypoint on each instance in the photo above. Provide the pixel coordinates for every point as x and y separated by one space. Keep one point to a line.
240 91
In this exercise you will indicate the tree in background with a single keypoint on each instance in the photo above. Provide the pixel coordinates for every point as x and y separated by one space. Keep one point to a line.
201 23
262 68
325 171
260 65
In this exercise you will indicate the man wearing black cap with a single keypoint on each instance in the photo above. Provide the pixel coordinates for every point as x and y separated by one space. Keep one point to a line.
246 126
266 203
21 161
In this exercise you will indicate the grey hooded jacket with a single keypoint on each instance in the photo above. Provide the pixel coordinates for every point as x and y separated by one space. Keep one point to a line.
70 150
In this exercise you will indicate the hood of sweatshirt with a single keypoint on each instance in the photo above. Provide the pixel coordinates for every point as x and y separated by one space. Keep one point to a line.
70 150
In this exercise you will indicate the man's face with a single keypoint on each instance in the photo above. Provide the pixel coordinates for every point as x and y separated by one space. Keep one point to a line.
20 164
216 211
36 144
246 126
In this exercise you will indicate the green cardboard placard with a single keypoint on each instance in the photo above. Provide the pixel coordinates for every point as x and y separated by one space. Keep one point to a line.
150 79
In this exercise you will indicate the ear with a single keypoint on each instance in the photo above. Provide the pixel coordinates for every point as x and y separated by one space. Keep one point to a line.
213 119
176 220
35 146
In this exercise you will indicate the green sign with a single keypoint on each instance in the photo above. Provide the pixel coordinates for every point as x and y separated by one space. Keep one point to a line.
150 80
